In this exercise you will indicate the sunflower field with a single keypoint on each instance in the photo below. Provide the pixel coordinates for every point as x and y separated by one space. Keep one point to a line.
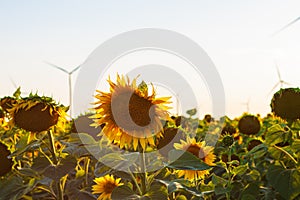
129 146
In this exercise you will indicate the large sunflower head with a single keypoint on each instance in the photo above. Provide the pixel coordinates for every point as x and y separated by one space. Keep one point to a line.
200 150
36 114
132 118
286 103
105 186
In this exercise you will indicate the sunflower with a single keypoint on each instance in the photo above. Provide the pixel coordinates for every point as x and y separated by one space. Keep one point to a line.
105 186
249 124
200 150
36 114
132 118
286 103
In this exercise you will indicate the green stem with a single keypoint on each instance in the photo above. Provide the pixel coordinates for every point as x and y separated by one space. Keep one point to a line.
143 172
135 182
229 174
286 153
87 163
60 195
52 147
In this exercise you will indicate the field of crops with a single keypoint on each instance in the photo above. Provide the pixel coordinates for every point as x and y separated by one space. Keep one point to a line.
131 147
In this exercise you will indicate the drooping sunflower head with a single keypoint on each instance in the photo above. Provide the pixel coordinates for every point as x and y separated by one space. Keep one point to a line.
200 150
249 124
105 186
286 103
36 114
132 118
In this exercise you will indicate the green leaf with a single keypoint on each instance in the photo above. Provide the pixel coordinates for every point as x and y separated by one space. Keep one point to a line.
179 186
276 134
250 192
57 172
252 176
258 151
296 146
191 112
285 181
14 188
217 180
17 93
81 144
158 191
118 161
143 87
240 170
125 193
185 161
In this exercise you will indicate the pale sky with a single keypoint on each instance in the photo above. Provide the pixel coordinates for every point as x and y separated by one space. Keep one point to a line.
237 36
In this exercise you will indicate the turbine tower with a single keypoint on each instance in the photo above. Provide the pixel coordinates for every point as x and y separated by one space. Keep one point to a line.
69 80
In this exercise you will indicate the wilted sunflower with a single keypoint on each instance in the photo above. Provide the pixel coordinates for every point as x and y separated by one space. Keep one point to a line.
200 150
286 103
36 114
132 118
249 124
105 186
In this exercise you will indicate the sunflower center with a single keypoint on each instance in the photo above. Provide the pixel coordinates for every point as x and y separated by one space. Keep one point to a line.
132 112
196 151
109 187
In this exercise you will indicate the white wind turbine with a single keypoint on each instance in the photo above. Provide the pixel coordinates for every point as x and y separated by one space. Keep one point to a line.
69 80
247 104
280 82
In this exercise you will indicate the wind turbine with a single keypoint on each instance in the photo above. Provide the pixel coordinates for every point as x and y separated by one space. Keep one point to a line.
286 26
247 104
280 82
70 81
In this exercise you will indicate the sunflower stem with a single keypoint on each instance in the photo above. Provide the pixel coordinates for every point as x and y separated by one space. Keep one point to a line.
135 182
286 153
60 195
52 147
87 164
143 173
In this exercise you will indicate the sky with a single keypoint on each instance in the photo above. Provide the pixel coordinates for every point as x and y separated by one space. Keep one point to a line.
236 35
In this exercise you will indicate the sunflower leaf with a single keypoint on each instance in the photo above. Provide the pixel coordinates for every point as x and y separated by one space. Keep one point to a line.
183 160
285 181
124 192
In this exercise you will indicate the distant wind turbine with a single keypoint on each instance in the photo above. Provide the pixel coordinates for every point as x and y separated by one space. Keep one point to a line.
247 104
70 81
286 26
280 82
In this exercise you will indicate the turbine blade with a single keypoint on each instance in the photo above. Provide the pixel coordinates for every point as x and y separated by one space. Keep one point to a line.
74 70
13 82
287 83
286 26
278 72
273 88
57 67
